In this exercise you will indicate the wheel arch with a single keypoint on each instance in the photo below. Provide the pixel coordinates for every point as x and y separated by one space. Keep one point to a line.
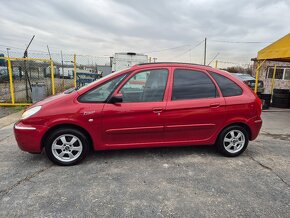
244 125
73 126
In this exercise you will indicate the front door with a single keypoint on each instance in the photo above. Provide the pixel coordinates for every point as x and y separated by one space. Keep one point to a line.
138 120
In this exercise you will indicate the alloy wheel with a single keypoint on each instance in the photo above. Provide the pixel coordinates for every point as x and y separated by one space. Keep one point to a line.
67 148
234 141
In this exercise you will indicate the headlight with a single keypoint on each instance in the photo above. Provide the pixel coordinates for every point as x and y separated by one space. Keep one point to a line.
30 112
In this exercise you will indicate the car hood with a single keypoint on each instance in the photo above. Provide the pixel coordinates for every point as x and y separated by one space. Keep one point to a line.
49 99
53 99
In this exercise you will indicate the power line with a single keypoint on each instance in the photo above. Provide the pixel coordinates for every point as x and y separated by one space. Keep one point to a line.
188 50
213 58
166 49
240 42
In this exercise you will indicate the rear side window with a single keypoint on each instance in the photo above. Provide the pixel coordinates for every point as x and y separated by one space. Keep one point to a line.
191 84
227 86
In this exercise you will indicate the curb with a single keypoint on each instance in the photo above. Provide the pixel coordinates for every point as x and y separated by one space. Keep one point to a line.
277 110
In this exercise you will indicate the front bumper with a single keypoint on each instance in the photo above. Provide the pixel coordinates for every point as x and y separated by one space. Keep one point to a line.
29 137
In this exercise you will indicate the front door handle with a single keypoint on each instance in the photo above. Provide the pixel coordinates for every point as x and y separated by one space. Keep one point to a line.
215 105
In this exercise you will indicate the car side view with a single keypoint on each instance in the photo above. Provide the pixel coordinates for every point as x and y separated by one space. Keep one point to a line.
148 105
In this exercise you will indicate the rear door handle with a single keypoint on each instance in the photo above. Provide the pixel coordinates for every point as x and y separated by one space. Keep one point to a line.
215 105
157 110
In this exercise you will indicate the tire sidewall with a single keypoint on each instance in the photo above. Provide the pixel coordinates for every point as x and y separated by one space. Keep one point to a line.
59 132
220 142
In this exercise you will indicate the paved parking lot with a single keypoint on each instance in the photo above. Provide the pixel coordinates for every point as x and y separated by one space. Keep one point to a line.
166 182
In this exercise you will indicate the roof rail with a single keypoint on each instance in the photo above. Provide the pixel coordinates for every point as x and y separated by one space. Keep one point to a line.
174 63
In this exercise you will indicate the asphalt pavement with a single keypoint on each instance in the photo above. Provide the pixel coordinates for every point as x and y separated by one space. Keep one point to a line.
160 182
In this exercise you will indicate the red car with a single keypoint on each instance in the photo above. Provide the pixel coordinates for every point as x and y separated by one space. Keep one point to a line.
148 105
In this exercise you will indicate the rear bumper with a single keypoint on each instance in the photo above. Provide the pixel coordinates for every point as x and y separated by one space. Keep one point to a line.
29 137
255 125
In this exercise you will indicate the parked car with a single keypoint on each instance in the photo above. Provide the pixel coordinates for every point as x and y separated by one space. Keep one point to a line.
148 105
4 74
250 81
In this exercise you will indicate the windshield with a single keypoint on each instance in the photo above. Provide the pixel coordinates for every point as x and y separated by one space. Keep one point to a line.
100 80
92 83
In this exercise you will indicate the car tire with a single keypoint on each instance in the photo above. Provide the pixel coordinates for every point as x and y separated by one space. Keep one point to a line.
66 147
233 141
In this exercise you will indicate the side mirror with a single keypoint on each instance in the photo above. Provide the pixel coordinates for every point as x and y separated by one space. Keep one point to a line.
118 98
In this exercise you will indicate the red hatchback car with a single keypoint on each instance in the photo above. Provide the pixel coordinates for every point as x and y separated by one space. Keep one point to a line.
148 105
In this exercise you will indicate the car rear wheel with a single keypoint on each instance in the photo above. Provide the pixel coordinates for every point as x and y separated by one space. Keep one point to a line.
66 147
233 141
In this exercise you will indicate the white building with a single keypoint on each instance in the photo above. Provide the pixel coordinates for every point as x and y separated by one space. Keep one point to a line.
126 60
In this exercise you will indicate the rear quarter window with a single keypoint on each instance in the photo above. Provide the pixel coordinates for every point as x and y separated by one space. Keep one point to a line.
227 86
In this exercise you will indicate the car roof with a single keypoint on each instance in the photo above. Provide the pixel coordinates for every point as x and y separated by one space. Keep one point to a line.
160 65
171 64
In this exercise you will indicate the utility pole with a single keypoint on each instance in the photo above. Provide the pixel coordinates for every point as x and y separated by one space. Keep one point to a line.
62 69
8 58
8 52
50 61
204 58
48 52
27 80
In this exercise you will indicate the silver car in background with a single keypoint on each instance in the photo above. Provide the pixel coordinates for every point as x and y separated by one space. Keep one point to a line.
250 81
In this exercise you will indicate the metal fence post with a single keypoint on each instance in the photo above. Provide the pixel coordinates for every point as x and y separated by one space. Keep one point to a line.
273 80
75 70
11 81
257 75
216 64
52 77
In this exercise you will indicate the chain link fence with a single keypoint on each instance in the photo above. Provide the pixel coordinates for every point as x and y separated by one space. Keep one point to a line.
26 80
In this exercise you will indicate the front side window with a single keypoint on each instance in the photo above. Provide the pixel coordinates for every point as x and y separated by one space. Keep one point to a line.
190 84
145 86
103 91
227 86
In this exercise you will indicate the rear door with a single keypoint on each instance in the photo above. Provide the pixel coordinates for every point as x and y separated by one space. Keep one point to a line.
138 120
195 108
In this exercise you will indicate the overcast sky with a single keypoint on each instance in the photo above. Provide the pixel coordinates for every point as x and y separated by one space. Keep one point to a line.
103 27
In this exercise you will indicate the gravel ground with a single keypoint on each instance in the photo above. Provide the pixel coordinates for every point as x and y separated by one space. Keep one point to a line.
162 182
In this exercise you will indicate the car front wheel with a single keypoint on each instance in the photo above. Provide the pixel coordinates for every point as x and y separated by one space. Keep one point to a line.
233 141
66 146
